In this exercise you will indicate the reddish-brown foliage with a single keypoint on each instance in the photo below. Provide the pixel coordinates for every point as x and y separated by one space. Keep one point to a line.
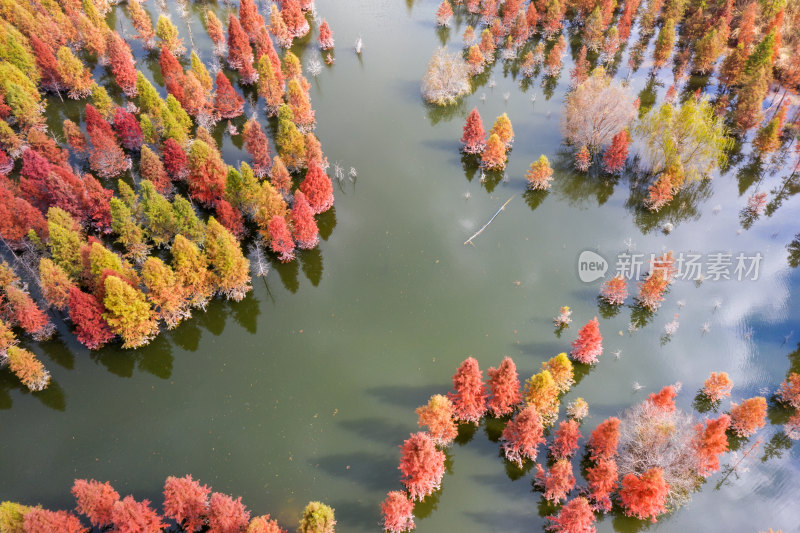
422 465
294 19
504 388
710 442
664 399
318 188
566 439
651 291
122 64
48 65
172 72
43 521
300 104
644 496
215 31
749 416
469 397
48 147
227 102
130 516
304 227
281 241
175 160
615 290
279 176
602 479
444 14
604 439
95 500
522 436
106 156
240 54
152 169
86 313
17 216
589 344
437 415
26 314
615 155
226 515
494 154
557 482
264 524
230 218
576 516
398 512
75 137
257 145
251 20
581 69
717 386
6 164
127 128
474 139
325 36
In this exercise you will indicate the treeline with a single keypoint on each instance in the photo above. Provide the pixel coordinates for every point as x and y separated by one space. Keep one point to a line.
137 220
644 463
188 506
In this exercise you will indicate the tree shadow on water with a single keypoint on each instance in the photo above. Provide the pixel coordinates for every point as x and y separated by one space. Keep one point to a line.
326 222
377 430
311 265
409 397
370 471
288 273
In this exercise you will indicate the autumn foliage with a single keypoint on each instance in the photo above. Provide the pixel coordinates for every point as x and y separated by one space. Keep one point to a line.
710 442
422 466
557 482
589 344
566 439
503 388
576 516
398 512
604 439
748 416
469 398
437 416
644 496
95 500
474 139
614 291
522 436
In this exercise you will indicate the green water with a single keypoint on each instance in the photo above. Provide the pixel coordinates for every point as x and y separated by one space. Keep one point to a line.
306 388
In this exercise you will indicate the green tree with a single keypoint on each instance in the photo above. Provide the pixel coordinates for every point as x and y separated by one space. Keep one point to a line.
129 233
128 313
191 271
186 221
64 241
230 268
159 215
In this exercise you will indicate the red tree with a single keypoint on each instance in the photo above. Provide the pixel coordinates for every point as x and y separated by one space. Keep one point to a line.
39 520
602 479
644 496
717 386
240 54
127 128
749 416
589 344
398 512
122 64
615 156
130 516
86 313
251 20
523 435
710 442
615 290
566 439
576 516
294 19
664 399
474 139
227 101
325 36
175 160
318 189
257 145
6 163
469 397
789 392
281 241
422 466
230 218
106 157
504 388
26 314
17 217
172 72
48 65
604 439
95 500
151 168
557 482
226 515
304 227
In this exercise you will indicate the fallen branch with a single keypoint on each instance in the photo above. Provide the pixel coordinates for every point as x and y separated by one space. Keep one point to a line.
469 241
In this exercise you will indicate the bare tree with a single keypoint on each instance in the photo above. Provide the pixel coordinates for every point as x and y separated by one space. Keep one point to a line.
446 79
596 110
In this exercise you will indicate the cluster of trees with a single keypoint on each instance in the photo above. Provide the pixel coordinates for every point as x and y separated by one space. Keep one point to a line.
614 291
493 152
646 462
188 506
121 258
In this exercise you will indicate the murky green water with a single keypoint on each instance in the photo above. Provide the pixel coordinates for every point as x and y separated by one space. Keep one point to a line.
305 389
